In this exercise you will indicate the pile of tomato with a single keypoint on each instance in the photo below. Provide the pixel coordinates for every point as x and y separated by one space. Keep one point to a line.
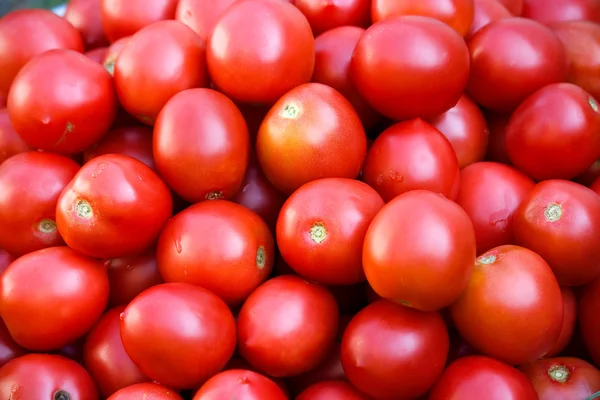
300 199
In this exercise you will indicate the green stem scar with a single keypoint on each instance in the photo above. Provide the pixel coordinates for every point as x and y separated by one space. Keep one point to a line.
214 195
261 257
559 373
46 226
318 232
553 212
83 209
593 103
290 111
487 259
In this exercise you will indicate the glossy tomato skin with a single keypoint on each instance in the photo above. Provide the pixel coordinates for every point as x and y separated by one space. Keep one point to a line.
324 16
560 220
482 377
193 323
9 349
142 391
312 132
486 11
512 308
331 390
411 155
5 259
239 51
133 141
27 33
201 15
242 384
569 322
10 141
514 6
113 52
589 307
85 16
423 85
50 113
97 55
562 10
372 365
201 145
490 193
30 184
130 276
511 58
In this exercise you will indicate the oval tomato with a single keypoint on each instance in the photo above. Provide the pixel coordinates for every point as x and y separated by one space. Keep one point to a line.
487 11
201 15
85 16
569 322
9 349
142 391
589 309
242 384
132 141
562 10
330 390
324 16
10 142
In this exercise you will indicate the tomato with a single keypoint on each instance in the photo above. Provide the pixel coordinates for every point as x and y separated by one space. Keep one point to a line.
242 384
511 58
45 376
329 370
512 308
569 322
333 54
391 71
5 260
132 141
482 377
312 132
486 11
25 34
113 52
10 142
497 123
596 186
562 10
143 391
97 55
514 6
120 19
178 334
370 353
490 193
85 16
287 326
412 155
9 349
590 175
201 15
129 276
589 307
324 16
330 390
238 363
201 145
239 51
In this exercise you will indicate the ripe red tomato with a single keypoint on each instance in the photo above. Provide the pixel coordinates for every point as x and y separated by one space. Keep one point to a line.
132 141
562 10
391 71
497 123
324 16
10 142
237 362
329 370
242 384
412 155
560 220
512 308
514 6
47 308
97 55
569 322
370 353
113 52
201 145
239 51
312 132
480 377
201 15
25 34
511 58
105 358
490 193
115 206
287 326
589 309
85 15
9 349
5 260
178 334
486 11
45 376
595 186
51 113
143 391
331 390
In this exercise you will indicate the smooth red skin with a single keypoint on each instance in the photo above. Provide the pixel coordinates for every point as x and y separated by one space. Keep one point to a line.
239 51
561 10
208 158
143 391
2 100
27 33
237 362
178 334
31 184
326 15
497 123
370 353
98 54
406 83
590 176
329 370
10 141
113 52
130 204
132 141
490 193
595 186
512 308
412 155
588 311
105 358
9 349
120 19
514 6
331 390
511 58
569 322
324 140
85 16
486 11
242 384
570 245
482 377
287 326
201 15
42 315
5 259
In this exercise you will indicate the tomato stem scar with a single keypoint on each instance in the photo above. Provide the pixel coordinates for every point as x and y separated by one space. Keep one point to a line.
318 232
83 209
553 212
261 257
46 226
214 195
593 104
61 395
559 373
290 110
489 259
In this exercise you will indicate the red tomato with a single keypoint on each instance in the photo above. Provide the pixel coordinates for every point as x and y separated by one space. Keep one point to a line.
113 52
371 356
479 377
239 51
47 308
143 391
178 334
591 175
562 10
560 220
25 34
2 100
511 58
9 349
514 6
412 155
497 123
132 141
242 384
490 193
391 71
331 390
51 113
589 309
5 260
327 15
287 326
45 376
312 132
486 11
115 206
201 15
208 158
563 378
329 370
105 358
596 186
85 15
130 276
124 18
569 322
97 55
10 142
237 362
512 308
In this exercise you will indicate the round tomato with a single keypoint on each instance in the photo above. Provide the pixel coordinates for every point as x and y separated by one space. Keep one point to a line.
85 16
10 142
9 349
331 390
242 384
130 276
201 145
132 141
201 15
329 370
589 309
47 308
113 52
5 259
324 16
486 11
497 123
514 6
311 132
240 50
562 10
511 58
512 308
143 391
569 322
391 71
